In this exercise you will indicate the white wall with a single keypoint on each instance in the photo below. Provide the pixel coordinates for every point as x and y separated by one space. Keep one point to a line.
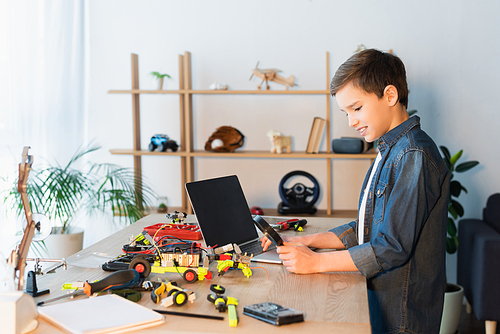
450 49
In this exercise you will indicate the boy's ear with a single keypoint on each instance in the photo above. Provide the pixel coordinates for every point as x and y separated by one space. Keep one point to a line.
391 95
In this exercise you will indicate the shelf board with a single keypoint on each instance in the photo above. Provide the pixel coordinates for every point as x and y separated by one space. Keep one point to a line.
222 92
142 91
248 154
263 92
144 152
293 155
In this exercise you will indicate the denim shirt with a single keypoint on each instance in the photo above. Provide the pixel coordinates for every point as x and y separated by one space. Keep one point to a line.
403 254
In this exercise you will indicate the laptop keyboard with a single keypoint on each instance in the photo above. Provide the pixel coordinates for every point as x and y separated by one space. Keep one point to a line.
254 247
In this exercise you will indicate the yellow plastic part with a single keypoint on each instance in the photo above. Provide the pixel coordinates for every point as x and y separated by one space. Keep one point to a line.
233 315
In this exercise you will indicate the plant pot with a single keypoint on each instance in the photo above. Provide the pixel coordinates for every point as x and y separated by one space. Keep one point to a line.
453 300
160 83
63 245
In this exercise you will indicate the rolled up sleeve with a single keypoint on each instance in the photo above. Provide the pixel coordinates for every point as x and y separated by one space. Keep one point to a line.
347 234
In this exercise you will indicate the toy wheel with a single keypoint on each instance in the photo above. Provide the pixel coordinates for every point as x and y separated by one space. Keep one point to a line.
190 276
162 147
141 265
211 298
152 147
299 196
218 289
180 298
171 144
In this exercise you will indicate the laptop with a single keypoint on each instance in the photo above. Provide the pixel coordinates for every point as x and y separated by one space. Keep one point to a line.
224 216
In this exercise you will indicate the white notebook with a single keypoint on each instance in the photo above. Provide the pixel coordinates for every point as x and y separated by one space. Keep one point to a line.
102 314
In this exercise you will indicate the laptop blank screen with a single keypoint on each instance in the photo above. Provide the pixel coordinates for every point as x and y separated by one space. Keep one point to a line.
222 211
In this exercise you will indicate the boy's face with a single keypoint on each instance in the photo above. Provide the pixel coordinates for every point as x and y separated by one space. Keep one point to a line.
371 116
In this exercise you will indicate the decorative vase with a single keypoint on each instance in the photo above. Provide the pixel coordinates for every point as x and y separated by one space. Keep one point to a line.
160 83
63 245
453 299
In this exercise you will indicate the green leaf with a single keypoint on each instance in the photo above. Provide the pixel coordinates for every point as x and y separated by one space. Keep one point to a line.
457 156
463 167
458 208
158 75
452 211
446 152
455 188
452 229
451 246
446 157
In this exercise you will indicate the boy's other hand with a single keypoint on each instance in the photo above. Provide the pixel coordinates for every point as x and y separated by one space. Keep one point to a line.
298 258
265 242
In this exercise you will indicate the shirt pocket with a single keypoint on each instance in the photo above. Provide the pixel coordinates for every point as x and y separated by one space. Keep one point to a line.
380 202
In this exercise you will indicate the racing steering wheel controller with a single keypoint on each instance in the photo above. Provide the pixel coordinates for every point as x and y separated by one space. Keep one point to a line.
298 198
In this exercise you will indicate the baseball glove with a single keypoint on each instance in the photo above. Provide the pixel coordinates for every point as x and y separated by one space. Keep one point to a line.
231 138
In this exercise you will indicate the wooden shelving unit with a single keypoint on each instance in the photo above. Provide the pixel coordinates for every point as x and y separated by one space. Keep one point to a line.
187 152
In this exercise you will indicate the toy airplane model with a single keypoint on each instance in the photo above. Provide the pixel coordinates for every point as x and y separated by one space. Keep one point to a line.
271 74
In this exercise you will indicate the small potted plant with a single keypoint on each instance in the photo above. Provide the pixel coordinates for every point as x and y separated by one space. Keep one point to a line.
160 78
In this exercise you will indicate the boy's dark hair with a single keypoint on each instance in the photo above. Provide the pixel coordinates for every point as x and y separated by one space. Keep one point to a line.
372 70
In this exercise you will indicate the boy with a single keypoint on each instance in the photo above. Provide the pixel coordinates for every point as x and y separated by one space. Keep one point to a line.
398 241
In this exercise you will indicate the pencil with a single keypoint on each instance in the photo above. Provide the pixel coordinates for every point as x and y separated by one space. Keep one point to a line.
193 315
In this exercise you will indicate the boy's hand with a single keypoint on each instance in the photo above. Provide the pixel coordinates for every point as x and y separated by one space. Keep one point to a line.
298 258
266 242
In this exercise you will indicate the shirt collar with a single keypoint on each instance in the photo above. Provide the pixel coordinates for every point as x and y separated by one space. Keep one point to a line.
391 137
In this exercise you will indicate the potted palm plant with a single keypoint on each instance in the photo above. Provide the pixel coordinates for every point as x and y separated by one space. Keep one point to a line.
454 293
160 78
61 192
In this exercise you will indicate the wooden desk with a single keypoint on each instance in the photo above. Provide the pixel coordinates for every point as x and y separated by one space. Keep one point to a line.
333 303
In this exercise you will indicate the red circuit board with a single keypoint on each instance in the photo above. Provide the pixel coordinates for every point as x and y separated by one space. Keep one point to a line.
181 231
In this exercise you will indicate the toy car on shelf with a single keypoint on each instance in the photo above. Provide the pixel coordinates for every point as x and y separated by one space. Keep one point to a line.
162 142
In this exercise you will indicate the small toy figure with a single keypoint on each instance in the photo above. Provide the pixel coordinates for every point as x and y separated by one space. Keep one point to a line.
163 142
235 260
175 295
280 142
271 74
177 217
228 260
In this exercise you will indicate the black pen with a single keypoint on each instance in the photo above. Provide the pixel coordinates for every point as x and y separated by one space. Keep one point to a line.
193 315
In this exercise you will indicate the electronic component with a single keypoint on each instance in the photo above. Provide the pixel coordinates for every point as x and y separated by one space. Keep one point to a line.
273 313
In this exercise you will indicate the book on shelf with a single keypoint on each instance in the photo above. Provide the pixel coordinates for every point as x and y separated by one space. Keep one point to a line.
316 134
